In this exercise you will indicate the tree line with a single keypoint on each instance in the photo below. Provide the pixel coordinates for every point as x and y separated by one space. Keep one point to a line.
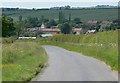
65 23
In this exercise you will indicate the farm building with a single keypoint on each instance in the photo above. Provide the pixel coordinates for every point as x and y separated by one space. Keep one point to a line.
79 30
44 30
90 31
50 31
93 22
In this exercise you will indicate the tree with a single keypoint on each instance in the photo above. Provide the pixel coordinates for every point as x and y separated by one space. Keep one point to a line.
61 17
67 7
7 27
42 18
32 22
18 27
77 20
69 17
53 22
106 26
115 26
20 18
65 28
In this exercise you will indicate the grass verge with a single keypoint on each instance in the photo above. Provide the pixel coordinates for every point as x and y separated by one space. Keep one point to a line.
107 54
21 61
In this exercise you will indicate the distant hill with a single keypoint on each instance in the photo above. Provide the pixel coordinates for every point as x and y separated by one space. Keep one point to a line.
86 14
105 6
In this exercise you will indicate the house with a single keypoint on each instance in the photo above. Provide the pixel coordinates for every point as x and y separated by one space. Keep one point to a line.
90 31
46 35
33 29
79 30
26 37
48 30
76 30
42 26
83 31
93 22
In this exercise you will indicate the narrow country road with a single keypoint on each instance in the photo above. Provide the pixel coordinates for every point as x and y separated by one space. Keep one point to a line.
65 65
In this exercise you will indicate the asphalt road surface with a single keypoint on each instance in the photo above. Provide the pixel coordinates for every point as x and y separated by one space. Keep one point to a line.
65 65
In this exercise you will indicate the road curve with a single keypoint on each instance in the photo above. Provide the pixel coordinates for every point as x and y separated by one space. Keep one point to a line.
65 65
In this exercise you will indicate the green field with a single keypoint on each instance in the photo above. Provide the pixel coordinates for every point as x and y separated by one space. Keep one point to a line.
84 14
22 61
102 45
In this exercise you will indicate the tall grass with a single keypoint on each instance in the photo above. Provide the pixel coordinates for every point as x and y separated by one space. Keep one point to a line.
7 40
0 59
103 45
21 61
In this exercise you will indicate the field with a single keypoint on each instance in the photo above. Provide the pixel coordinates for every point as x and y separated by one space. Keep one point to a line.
102 45
21 61
84 14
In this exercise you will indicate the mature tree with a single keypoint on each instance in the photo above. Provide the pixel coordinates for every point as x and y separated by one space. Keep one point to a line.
7 27
69 17
106 26
45 20
20 18
32 22
85 26
19 26
115 26
67 7
61 17
53 22
65 28
42 18
77 20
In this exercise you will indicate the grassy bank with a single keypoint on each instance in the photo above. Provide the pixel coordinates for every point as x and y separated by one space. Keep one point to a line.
102 45
21 61
104 53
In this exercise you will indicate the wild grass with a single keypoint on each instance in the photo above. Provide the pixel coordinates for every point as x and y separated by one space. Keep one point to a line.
7 40
21 61
103 46
0 60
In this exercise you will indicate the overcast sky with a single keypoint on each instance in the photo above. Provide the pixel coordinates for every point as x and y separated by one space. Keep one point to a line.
52 3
